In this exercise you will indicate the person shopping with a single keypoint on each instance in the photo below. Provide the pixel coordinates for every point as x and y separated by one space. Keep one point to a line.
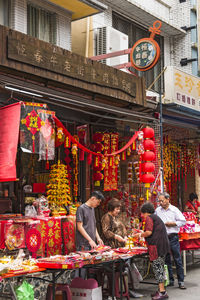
193 204
114 231
158 246
173 220
87 236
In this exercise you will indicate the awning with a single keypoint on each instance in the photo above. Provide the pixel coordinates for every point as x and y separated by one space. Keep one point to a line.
80 8
143 16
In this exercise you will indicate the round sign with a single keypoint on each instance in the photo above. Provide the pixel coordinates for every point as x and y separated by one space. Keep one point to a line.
145 54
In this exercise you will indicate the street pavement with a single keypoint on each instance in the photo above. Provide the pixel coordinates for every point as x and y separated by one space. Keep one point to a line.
192 282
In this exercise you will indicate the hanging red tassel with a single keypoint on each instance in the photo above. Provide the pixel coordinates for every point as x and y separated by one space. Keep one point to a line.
81 155
47 165
89 159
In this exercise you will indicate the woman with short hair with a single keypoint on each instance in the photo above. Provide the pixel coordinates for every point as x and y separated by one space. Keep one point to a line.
156 238
114 231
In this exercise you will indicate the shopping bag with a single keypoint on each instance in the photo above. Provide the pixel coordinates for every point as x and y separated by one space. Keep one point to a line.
136 276
166 275
86 294
25 291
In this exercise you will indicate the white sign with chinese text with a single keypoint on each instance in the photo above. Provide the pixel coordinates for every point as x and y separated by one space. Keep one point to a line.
182 88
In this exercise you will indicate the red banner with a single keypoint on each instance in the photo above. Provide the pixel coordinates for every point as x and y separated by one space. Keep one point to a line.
9 124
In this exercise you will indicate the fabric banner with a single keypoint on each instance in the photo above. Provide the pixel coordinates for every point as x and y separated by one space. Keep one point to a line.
9 124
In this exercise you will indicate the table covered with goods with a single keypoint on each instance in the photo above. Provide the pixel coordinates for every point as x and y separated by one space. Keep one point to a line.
189 236
10 267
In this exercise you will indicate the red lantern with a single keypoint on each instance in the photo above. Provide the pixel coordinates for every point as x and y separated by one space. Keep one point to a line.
148 156
148 145
148 178
148 133
148 167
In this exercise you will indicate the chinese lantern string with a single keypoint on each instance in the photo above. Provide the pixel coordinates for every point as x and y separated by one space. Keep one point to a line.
80 146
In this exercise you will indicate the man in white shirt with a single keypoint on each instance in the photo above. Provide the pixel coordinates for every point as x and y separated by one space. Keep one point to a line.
173 220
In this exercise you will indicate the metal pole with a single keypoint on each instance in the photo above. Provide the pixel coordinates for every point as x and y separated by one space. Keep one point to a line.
161 142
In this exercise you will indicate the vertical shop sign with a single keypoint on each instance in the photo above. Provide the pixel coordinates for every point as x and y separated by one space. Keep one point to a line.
9 124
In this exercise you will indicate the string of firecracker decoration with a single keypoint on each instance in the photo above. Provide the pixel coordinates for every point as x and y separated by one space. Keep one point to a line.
75 169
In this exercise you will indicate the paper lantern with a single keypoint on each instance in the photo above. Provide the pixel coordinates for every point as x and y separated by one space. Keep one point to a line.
148 178
148 133
148 167
98 176
148 156
148 145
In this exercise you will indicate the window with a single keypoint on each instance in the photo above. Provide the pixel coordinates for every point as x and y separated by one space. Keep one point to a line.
4 12
136 32
41 24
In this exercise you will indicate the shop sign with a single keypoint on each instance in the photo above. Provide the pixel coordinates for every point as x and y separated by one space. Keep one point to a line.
146 52
26 50
182 88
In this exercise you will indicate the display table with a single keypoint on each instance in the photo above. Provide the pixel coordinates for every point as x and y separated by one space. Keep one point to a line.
189 241
11 275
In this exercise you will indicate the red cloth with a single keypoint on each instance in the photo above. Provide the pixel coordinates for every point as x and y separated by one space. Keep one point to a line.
9 124
190 244
152 249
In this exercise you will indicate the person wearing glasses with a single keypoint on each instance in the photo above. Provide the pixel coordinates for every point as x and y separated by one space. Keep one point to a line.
173 220
87 236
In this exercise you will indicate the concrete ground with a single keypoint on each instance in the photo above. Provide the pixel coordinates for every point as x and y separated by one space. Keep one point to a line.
192 282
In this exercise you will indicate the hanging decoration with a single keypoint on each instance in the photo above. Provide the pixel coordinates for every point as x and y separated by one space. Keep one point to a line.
106 138
179 161
147 167
58 190
47 136
33 123
75 168
97 164
80 146
114 161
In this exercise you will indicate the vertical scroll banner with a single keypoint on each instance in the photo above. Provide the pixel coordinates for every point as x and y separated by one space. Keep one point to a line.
9 124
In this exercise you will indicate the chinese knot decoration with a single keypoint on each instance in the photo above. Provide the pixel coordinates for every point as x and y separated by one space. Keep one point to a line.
33 123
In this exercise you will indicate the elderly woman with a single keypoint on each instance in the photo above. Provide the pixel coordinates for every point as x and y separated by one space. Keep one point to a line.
158 245
114 231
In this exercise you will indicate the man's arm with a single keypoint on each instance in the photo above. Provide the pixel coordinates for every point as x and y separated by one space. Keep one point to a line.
85 235
99 240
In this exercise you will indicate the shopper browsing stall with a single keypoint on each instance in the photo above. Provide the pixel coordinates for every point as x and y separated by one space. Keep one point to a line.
193 204
173 220
158 246
87 236
114 231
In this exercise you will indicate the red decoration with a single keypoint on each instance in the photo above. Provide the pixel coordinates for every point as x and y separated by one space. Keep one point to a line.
148 178
33 241
148 167
148 156
98 137
148 144
33 123
148 133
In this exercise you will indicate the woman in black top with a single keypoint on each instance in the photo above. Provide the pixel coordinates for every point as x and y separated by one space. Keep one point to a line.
158 245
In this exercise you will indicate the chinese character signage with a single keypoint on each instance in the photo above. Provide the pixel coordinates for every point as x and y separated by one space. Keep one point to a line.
182 88
146 52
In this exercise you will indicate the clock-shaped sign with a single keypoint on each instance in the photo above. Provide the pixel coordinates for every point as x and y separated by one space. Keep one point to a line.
146 52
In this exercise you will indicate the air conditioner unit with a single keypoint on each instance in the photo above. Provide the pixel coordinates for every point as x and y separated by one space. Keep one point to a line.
110 40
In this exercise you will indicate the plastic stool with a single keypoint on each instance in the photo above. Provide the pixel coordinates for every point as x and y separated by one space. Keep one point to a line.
125 292
64 288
